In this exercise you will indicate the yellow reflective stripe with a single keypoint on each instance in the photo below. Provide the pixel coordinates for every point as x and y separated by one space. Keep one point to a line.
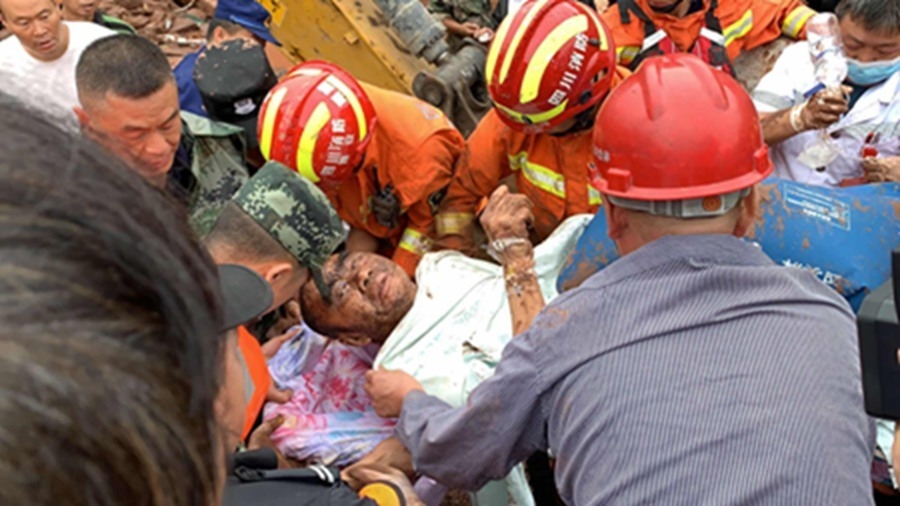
307 147
594 197
564 32
305 72
268 123
452 223
538 175
796 20
533 119
494 51
627 54
354 104
415 242
739 28
517 37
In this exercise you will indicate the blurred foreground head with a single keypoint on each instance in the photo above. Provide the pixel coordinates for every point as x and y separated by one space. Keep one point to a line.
110 354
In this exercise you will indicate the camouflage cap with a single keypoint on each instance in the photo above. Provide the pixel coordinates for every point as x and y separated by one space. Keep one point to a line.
294 212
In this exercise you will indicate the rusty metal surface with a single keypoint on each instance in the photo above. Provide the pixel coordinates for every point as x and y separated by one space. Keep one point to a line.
179 29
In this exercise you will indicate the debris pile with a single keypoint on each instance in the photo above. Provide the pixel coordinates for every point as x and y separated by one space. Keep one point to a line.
178 26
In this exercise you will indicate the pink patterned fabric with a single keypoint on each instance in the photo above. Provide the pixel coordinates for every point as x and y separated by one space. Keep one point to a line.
329 419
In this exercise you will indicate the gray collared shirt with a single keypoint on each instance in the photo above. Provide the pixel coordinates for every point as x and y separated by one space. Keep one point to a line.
692 371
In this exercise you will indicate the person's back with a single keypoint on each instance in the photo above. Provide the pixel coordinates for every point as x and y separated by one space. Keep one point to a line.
737 382
692 370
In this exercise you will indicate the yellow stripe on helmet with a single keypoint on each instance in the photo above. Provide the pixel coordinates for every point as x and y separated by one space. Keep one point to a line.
537 65
354 104
268 123
494 50
307 147
533 119
305 71
517 37
604 41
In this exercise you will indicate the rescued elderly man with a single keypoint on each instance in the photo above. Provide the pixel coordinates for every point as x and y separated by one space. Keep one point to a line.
692 370
37 64
863 124
449 327
129 105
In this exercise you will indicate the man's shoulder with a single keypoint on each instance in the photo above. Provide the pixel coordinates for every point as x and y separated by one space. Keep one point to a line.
83 32
199 126
11 49
185 66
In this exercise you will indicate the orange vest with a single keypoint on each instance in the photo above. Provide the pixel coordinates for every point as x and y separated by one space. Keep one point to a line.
415 150
550 170
256 381
745 24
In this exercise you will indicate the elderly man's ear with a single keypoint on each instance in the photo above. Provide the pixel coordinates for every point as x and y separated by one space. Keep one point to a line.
353 338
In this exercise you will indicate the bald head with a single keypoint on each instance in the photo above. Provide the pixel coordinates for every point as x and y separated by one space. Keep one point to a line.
38 26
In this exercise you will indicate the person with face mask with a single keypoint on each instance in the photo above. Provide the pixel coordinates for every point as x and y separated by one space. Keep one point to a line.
862 122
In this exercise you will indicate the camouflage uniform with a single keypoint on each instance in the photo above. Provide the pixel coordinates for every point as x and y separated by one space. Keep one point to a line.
217 164
463 11
294 212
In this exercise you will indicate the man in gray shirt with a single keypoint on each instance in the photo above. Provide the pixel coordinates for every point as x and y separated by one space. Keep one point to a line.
693 370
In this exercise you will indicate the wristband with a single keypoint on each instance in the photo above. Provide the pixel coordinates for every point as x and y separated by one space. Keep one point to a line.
499 246
796 117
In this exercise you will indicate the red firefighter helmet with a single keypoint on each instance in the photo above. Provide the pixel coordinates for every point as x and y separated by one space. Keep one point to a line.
317 121
678 129
550 61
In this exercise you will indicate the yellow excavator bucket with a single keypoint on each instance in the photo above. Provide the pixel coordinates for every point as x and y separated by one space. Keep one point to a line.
351 33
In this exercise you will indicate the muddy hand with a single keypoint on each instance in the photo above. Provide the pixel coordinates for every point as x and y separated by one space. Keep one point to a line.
507 215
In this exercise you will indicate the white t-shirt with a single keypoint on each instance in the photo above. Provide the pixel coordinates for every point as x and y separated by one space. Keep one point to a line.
876 111
48 86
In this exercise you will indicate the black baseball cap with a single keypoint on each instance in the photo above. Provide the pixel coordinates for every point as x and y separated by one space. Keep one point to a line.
245 295
234 79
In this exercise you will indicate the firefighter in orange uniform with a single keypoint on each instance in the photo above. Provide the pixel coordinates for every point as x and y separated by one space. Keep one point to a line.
549 68
716 31
384 159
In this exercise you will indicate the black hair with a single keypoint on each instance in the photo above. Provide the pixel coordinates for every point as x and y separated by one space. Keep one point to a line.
99 271
877 16
129 66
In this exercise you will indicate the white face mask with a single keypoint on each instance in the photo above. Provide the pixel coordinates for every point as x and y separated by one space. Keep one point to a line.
867 74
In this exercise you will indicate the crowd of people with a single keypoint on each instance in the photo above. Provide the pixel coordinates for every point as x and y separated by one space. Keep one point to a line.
263 284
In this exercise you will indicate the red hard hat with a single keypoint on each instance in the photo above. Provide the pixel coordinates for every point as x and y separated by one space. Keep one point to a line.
678 129
317 121
549 61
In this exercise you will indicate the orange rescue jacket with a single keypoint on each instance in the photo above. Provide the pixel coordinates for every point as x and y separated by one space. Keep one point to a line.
257 380
550 170
745 24
415 150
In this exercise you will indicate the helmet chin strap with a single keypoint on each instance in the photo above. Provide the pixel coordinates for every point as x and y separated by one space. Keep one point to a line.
669 9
